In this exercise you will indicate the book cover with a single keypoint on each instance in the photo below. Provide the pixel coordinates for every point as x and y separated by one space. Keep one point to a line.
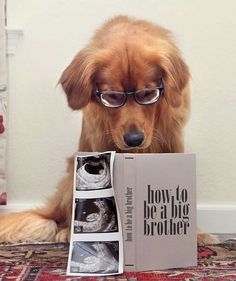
156 195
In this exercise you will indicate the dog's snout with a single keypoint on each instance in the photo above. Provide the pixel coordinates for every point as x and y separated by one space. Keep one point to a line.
133 139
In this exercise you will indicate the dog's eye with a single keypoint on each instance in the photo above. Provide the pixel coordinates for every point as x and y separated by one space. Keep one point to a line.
114 97
142 94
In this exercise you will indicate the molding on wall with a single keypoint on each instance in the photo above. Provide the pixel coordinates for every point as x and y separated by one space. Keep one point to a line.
14 35
212 218
18 207
217 218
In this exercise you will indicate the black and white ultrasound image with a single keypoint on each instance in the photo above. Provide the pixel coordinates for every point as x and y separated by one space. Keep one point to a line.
95 257
95 215
93 172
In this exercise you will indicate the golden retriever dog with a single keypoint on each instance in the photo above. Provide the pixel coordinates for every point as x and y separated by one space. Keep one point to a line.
133 87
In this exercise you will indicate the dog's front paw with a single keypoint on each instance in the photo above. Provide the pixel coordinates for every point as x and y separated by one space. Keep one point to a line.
63 235
206 239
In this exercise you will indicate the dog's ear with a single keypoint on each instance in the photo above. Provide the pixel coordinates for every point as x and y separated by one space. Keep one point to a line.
77 79
175 72
176 75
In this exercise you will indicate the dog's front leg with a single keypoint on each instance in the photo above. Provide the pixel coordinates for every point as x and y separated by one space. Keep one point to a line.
206 239
62 205
26 227
63 235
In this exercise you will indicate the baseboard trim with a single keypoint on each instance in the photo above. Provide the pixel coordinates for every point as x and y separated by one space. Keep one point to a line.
18 207
217 218
212 218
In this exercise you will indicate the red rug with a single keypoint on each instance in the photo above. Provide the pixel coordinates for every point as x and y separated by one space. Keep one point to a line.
47 262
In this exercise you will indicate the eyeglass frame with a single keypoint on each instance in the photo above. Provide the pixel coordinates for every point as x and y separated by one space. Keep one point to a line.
160 88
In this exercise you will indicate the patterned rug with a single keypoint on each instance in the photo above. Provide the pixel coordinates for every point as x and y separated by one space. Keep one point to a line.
48 261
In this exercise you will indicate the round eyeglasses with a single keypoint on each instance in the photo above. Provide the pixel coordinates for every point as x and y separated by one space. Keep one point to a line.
145 96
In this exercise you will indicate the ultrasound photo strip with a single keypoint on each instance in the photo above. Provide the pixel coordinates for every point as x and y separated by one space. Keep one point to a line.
96 245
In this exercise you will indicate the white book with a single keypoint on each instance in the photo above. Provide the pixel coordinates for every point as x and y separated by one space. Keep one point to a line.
156 195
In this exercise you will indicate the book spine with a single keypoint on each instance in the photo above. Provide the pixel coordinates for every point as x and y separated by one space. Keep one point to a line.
129 211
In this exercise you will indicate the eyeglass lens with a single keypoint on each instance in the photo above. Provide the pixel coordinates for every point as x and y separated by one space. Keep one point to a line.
113 99
147 96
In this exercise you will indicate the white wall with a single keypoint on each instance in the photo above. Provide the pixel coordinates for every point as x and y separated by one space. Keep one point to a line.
43 131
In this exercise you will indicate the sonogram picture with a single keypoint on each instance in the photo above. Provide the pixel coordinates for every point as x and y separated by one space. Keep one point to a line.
95 215
93 172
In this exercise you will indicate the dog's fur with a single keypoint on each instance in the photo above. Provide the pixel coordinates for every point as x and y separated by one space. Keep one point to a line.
124 55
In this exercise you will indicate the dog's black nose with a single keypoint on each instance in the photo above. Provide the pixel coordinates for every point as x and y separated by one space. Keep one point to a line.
133 139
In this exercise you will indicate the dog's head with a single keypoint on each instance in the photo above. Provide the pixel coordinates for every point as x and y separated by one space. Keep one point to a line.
127 65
